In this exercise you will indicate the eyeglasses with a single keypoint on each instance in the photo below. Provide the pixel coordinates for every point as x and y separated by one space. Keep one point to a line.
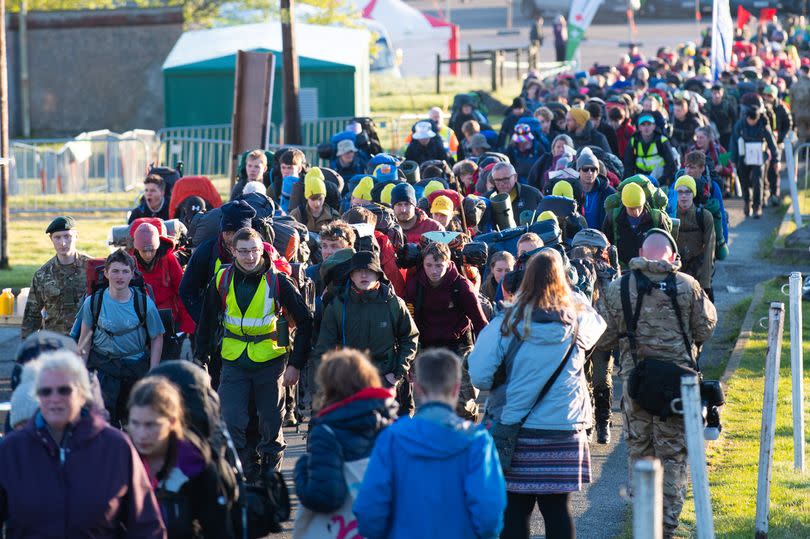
248 252
62 391
588 169
504 179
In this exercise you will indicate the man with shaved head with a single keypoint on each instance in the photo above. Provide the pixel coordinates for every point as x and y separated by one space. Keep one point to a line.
658 317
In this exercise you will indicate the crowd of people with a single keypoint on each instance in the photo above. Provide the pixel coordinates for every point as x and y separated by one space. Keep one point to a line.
377 298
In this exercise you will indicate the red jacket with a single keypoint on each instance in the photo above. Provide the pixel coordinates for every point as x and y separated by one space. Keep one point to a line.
164 276
623 134
423 224
439 320
388 261
87 489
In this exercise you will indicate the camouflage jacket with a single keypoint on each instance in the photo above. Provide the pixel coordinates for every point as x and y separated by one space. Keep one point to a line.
657 334
56 294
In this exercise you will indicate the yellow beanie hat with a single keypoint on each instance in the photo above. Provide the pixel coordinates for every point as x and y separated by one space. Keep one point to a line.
547 215
563 189
580 116
314 183
385 194
363 189
633 196
433 185
442 204
686 181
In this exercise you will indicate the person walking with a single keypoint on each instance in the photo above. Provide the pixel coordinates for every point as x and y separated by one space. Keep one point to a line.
532 359
750 139
59 286
434 475
67 473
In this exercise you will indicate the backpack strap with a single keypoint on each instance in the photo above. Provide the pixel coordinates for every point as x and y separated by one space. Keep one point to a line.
223 283
631 317
670 287
274 289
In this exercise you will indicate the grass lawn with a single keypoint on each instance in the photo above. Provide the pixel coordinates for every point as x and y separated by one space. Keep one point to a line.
733 459
30 247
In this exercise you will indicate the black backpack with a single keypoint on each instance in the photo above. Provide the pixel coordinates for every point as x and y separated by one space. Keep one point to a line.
170 176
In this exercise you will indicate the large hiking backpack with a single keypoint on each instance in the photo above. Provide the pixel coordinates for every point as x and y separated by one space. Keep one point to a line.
170 176
291 239
656 197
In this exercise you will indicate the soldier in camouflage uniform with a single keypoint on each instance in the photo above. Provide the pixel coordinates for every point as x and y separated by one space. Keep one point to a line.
658 336
59 286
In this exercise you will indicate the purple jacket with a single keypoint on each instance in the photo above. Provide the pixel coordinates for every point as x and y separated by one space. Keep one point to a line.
92 487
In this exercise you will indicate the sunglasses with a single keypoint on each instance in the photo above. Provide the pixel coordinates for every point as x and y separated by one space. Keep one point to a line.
62 391
504 179
588 169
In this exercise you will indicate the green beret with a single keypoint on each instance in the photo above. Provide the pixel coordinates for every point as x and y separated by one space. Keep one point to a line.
60 224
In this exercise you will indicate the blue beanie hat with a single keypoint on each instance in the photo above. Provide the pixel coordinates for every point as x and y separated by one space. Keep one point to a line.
403 192
236 214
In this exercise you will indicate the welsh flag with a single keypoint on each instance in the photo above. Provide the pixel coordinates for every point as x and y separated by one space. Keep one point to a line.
579 19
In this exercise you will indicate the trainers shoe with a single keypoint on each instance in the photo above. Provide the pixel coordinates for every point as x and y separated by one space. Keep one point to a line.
603 432
757 213
289 419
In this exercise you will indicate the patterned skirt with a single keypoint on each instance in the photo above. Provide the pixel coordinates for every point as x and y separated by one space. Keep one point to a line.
549 462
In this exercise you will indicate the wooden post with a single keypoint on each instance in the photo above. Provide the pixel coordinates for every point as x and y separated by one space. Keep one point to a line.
776 326
693 425
470 60
438 74
494 70
291 76
4 144
797 369
517 64
648 499
502 66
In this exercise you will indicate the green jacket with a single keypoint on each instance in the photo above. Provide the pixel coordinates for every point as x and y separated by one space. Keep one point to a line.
377 322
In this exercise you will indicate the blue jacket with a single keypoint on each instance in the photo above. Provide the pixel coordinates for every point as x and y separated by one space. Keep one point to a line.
596 216
432 476
343 432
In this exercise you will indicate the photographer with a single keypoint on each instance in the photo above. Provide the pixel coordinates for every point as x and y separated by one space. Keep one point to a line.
670 316
447 312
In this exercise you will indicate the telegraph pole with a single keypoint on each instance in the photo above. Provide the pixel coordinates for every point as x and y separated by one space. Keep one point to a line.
291 78
5 154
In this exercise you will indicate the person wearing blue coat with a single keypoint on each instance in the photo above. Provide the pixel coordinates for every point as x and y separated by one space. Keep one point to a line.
433 475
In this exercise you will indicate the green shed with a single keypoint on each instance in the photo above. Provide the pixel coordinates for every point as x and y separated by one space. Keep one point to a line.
198 74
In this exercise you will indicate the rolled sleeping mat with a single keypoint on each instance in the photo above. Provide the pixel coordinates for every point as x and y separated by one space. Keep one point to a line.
411 170
502 214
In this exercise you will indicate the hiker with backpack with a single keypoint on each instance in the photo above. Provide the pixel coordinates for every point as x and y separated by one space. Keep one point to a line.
365 313
352 409
255 170
595 188
161 271
531 358
696 240
348 160
413 220
446 310
154 202
192 497
626 225
315 213
249 309
752 144
121 333
432 475
426 145
582 131
58 286
709 196
650 152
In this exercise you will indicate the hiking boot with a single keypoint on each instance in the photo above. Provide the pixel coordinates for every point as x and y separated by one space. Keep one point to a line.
757 213
270 464
603 432
774 200
747 210
289 419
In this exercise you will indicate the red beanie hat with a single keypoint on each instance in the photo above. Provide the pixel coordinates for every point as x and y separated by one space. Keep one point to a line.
146 235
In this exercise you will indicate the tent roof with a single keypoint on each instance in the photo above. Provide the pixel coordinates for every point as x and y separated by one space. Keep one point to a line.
346 46
401 20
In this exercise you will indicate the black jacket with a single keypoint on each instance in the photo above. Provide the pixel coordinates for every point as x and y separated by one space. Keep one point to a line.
199 271
759 132
723 115
142 210
245 286
610 136
420 153
343 432
590 137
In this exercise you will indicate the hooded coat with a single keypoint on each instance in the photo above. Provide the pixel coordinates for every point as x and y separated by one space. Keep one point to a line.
164 275
432 476
88 487
423 224
342 432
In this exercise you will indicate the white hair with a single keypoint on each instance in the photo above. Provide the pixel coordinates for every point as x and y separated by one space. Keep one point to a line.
68 363
254 187
504 166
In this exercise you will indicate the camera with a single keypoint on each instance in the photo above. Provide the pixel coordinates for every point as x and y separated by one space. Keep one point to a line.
712 396
462 250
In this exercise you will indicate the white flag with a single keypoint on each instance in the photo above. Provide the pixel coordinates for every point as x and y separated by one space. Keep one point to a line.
722 37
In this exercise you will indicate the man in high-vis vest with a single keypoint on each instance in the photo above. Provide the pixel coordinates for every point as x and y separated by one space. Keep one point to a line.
245 317
649 152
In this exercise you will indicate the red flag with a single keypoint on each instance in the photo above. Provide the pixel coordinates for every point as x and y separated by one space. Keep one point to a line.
767 14
743 16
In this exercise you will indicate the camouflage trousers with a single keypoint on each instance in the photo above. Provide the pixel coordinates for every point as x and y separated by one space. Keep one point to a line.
650 436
